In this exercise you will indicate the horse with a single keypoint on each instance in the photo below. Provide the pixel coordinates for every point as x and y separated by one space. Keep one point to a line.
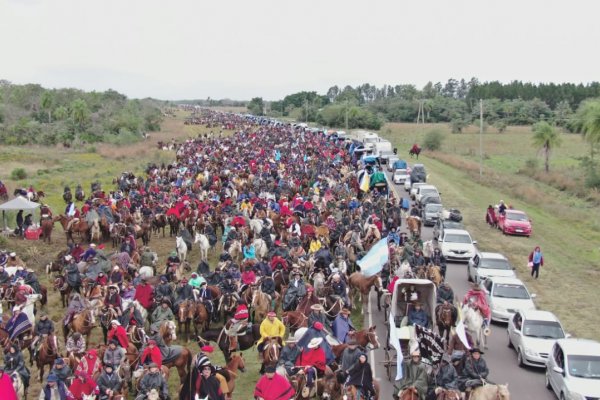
363 285
181 248
182 363
271 351
366 338
220 337
474 325
351 393
80 227
29 306
47 353
447 394
414 225
95 232
18 385
227 305
491 392
237 363
235 250
83 322
414 151
204 245
409 393
168 331
434 274
260 305
446 318
47 226
60 284
106 317
294 320
159 222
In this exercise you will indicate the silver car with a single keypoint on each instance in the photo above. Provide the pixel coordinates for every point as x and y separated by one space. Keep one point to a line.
573 369
484 264
532 334
506 296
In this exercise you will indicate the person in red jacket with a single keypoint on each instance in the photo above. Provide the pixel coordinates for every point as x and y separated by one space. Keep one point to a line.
151 354
118 333
312 359
90 363
272 386
83 384
143 294
238 322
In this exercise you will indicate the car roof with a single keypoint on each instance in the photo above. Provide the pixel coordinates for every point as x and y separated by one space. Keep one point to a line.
428 186
579 346
507 280
515 211
456 232
539 315
496 256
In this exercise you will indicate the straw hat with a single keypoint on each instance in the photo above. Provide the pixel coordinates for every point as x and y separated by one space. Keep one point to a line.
315 342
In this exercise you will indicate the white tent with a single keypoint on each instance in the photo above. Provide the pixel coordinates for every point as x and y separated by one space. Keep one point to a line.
18 203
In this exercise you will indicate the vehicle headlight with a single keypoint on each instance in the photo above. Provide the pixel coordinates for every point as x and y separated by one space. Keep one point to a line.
531 353
576 396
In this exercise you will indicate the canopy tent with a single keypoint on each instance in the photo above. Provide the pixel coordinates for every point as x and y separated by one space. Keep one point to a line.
18 203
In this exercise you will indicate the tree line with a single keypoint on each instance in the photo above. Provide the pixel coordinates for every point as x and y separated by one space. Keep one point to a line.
31 114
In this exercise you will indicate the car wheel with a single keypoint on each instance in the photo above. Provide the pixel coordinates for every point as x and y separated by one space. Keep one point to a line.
509 344
547 379
469 279
520 359
503 231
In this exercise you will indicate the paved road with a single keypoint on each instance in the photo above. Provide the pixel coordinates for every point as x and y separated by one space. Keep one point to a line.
524 383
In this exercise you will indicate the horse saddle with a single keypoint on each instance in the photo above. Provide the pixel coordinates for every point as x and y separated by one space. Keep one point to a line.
171 353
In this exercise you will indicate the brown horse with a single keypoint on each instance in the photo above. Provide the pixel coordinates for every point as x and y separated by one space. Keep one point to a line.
60 284
294 320
83 322
185 314
271 351
81 227
414 225
434 274
351 392
361 284
446 315
182 363
447 394
410 393
365 338
237 363
47 226
47 353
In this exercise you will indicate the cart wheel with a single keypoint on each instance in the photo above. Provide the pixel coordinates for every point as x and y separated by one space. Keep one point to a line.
387 362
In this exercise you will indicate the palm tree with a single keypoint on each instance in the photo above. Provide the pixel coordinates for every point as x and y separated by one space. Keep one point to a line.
80 113
546 138
46 102
589 121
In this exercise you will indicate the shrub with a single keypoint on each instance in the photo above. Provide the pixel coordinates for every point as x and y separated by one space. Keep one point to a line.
433 140
18 173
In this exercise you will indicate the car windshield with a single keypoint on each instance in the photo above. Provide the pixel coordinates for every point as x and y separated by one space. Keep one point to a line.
584 366
453 225
400 172
510 291
432 208
457 238
494 263
425 192
543 329
516 216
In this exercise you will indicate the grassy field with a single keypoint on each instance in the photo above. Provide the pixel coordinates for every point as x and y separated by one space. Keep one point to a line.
567 227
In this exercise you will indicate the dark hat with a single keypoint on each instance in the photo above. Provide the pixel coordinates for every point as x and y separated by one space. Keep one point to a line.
108 366
476 350
59 361
113 341
270 369
163 279
52 378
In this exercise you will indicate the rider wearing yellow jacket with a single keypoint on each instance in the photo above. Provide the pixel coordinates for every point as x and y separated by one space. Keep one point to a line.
270 327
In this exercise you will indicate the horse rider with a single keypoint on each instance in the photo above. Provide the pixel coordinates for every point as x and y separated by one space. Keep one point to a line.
446 377
114 354
445 294
183 292
417 260
271 327
162 314
113 300
45 212
153 380
148 258
90 363
119 333
89 253
437 258
43 328
14 260
342 326
132 317
83 386
173 262
164 290
474 373
72 274
317 314
339 289
109 383
151 354
476 298
14 362
144 294
286 364
350 356
55 388
273 386
414 375
313 363
360 376
238 324
267 286
72 214
18 326
355 239
296 290
76 345
205 297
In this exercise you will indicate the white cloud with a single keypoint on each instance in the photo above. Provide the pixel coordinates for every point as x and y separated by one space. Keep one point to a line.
269 48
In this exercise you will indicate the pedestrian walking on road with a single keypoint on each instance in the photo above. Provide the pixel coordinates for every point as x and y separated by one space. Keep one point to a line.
536 260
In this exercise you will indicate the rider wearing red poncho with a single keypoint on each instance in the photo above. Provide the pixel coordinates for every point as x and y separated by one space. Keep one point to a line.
272 386
477 297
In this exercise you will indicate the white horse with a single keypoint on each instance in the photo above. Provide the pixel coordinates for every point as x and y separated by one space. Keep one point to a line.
18 385
28 307
473 321
95 231
146 271
181 247
261 248
256 225
204 245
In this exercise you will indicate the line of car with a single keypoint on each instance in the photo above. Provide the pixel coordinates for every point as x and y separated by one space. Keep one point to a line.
572 365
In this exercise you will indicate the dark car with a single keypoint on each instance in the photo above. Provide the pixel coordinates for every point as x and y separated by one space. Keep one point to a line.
418 173
442 224
431 213
433 199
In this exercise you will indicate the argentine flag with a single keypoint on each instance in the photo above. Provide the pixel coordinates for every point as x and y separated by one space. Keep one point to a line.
372 262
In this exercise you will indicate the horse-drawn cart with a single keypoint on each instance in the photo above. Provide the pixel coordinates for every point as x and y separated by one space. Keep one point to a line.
400 336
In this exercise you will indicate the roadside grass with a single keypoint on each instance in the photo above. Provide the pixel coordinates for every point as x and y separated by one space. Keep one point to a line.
50 169
566 227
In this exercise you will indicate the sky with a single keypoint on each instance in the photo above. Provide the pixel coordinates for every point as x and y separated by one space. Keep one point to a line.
195 49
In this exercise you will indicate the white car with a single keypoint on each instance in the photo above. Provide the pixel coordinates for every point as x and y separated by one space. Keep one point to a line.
391 160
483 265
415 187
426 190
506 296
532 334
400 176
457 245
573 369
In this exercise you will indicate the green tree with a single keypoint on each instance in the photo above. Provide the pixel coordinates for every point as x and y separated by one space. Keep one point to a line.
61 113
256 106
80 113
588 121
46 102
433 140
546 138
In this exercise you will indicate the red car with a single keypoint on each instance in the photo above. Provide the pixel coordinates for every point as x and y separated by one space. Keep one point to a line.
515 222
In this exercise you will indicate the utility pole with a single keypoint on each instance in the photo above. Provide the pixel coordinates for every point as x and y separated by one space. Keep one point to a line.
480 139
